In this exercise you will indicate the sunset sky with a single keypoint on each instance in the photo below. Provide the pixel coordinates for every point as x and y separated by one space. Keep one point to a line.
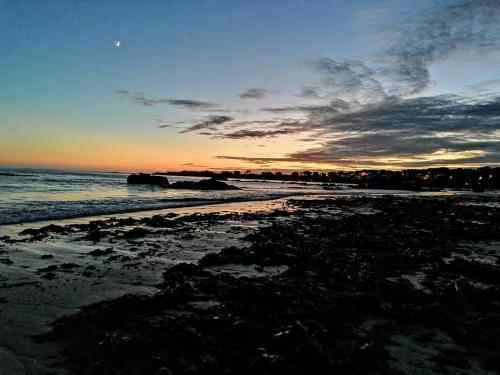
296 84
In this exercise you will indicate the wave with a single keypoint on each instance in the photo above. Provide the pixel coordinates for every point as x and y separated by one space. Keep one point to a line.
70 210
43 195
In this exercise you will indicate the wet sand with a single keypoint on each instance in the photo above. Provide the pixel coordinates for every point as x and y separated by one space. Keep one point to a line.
384 284
43 278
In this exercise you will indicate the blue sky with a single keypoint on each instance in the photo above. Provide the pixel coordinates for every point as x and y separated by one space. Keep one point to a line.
60 73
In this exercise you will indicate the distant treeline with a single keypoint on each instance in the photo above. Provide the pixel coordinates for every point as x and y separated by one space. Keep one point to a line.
478 179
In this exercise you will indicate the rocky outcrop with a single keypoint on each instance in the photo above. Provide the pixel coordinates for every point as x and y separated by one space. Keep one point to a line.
211 184
147 179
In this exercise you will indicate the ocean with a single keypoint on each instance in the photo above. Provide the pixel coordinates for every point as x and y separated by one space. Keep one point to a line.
40 194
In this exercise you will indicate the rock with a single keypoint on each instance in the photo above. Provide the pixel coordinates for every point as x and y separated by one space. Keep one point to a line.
38 234
211 184
147 179
10 363
94 236
163 371
100 253
68 266
51 268
135 233
6 261
49 276
160 221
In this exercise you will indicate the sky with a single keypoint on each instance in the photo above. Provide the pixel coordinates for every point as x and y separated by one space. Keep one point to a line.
249 85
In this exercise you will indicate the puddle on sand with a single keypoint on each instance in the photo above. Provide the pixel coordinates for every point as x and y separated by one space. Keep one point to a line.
249 270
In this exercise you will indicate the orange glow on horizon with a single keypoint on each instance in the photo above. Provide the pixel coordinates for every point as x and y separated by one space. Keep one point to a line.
176 153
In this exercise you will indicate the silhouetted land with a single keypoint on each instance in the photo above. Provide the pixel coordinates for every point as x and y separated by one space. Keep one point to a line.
413 179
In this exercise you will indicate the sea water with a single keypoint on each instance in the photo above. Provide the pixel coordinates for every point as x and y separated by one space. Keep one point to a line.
39 194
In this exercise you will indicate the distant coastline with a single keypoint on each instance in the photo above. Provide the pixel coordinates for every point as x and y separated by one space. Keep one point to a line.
410 179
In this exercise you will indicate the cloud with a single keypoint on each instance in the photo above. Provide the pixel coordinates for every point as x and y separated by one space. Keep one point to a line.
333 107
254 93
210 123
413 128
260 129
196 165
139 98
190 104
485 87
424 114
469 26
248 134
186 103
373 117
253 123
445 129
256 160
310 92
122 92
398 145
349 79
373 113
402 68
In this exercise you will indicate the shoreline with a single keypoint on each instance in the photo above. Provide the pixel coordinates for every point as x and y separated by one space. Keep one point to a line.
63 268
237 204
83 278
186 203
201 203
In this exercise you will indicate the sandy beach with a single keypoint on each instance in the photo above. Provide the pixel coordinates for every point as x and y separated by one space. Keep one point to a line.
343 284
33 294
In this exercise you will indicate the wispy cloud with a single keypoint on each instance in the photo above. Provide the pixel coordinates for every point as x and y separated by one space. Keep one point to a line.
190 104
349 79
139 98
254 93
210 123
405 132
460 27
445 31
122 92
373 117
373 113
332 108
248 134
310 92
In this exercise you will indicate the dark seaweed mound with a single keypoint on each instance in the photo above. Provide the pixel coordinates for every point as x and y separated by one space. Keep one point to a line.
343 306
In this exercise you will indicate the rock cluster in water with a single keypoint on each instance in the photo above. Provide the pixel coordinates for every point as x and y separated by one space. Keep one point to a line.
147 179
210 184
